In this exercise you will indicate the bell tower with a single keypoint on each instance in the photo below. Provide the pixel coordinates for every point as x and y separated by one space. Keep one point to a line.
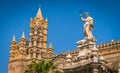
37 36
38 32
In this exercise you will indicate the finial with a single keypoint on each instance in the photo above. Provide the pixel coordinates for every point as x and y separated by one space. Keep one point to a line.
105 44
50 45
112 40
23 35
14 38
31 19
46 20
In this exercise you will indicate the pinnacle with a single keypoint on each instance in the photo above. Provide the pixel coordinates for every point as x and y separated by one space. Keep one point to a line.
50 45
46 20
31 19
14 38
23 35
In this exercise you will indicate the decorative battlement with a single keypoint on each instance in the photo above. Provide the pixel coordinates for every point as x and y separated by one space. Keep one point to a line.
109 45
101 47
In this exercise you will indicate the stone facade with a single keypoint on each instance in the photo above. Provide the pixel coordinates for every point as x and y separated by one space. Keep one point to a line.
86 58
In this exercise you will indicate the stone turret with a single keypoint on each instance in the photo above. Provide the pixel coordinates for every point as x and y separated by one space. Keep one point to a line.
12 49
22 46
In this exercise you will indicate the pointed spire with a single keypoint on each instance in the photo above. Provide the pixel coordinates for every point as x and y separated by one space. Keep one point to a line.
31 19
39 14
50 45
46 20
23 35
14 38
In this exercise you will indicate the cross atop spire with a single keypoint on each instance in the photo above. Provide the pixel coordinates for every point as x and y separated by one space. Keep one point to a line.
39 14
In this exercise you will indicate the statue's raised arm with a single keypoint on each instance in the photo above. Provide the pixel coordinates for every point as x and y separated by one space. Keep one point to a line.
81 17
88 25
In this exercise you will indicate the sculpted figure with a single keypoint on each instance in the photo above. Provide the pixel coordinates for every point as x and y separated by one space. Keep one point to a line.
88 25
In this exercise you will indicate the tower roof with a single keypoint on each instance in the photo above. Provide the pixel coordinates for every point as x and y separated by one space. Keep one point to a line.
14 38
39 14
23 35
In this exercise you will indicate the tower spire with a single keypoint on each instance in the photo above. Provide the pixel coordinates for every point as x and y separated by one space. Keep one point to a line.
39 14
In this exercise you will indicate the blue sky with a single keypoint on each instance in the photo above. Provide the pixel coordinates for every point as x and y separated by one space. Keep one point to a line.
64 25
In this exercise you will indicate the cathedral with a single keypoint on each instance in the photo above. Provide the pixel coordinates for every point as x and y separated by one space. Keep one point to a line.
86 58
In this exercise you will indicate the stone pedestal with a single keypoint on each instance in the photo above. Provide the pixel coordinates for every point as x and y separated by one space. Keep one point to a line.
88 48
85 43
